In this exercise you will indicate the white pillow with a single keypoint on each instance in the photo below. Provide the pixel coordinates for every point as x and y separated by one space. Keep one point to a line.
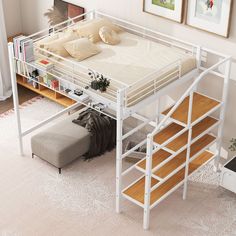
109 36
90 29
57 46
81 48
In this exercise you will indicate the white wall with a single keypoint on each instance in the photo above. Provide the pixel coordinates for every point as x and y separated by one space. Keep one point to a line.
12 13
33 20
32 12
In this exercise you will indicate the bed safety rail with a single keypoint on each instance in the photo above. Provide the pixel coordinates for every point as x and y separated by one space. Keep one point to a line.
78 74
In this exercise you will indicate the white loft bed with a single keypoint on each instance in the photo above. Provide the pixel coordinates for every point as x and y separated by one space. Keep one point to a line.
145 66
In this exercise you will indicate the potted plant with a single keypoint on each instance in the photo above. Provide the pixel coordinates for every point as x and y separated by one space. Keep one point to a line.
99 82
103 83
94 83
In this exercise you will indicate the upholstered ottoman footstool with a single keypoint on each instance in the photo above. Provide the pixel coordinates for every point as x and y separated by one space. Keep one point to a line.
61 143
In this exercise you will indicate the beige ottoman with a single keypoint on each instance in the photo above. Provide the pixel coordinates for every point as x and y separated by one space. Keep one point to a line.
61 143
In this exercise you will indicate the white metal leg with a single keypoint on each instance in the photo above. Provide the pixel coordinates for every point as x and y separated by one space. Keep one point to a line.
15 96
199 61
189 145
120 102
158 111
222 113
148 179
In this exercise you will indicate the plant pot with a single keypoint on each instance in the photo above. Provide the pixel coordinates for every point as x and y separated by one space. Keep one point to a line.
95 85
103 89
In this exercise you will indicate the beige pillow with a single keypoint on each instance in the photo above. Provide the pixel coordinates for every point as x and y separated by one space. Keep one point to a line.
90 30
109 36
81 48
57 46
48 39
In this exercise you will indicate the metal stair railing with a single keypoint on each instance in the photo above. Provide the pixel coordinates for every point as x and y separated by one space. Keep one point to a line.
150 145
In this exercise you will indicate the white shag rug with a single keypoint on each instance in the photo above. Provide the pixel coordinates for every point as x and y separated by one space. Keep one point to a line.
35 200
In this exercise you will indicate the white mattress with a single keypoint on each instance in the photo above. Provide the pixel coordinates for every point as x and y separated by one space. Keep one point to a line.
136 57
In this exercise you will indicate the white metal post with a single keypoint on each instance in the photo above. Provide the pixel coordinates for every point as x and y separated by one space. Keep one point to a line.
199 61
148 179
119 148
199 57
222 112
158 111
189 145
15 95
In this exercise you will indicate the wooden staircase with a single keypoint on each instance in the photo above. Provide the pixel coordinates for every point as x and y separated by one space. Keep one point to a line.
172 152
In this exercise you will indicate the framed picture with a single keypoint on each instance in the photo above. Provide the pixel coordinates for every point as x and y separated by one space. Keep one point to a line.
67 9
171 9
210 15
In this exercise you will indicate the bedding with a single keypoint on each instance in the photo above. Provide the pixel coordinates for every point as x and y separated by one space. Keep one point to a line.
81 49
57 46
109 36
49 39
90 29
133 59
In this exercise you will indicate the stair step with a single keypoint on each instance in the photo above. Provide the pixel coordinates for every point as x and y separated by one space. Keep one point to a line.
197 130
201 105
168 132
157 158
178 160
136 191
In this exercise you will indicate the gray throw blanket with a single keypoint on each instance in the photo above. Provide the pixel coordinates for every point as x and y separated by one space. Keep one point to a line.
102 129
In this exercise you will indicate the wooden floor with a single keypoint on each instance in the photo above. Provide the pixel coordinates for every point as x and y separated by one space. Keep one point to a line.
24 95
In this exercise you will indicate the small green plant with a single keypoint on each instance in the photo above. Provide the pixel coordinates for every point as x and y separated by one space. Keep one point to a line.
103 83
232 146
99 82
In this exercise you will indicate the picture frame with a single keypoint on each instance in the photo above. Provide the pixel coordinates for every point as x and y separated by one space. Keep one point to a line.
212 16
68 9
170 9
62 11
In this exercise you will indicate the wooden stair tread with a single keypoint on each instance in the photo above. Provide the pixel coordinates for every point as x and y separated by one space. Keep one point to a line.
177 161
157 158
168 132
198 129
181 158
201 105
136 191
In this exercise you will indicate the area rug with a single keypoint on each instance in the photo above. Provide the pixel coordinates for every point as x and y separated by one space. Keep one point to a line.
36 200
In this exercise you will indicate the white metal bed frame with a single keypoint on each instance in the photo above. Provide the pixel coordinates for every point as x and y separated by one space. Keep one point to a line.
120 103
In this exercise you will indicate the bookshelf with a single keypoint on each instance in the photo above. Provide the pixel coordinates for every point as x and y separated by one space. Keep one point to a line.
43 90
47 92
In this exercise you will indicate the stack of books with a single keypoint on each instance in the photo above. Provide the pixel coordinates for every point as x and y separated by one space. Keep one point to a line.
23 51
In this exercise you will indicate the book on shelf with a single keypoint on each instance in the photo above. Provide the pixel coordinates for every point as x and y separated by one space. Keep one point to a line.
44 64
17 54
27 50
15 45
23 51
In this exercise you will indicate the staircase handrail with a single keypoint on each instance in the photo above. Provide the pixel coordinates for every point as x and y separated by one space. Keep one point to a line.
188 91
